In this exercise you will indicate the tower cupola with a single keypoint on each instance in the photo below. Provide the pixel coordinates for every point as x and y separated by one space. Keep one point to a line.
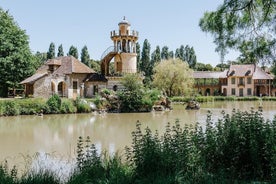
125 39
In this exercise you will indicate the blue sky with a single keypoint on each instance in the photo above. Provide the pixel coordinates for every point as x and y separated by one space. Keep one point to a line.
171 23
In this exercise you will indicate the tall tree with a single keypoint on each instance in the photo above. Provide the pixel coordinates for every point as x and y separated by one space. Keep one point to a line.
181 52
60 51
138 52
145 59
155 56
41 57
165 53
238 22
51 52
73 51
171 55
85 58
189 56
16 59
177 54
173 77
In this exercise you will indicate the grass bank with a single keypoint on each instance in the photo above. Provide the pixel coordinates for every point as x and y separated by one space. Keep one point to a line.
53 105
238 148
180 99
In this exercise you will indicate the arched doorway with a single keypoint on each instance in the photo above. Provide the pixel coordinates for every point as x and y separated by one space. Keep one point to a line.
208 92
224 92
61 89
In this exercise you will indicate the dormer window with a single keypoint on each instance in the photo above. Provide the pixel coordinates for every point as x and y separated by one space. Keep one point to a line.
51 68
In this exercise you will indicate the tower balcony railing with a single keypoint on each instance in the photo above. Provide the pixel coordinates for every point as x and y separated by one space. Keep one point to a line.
128 33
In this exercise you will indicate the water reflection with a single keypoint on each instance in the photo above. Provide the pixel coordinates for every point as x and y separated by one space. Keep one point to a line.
27 135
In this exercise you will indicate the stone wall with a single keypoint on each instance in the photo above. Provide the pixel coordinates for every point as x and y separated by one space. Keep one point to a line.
42 87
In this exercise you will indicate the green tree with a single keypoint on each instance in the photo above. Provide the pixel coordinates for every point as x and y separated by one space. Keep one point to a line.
16 59
203 67
239 22
95 65
165 53
174 77
171 55
73 51
51 52
189 56
85 58
131 82
60 51
146 66
138 52
155 57
41 57
177 54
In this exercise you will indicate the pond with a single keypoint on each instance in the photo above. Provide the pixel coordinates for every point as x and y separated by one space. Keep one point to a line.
58 134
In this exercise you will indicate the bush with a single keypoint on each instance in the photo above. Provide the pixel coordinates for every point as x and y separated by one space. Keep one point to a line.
236 149
10 108
32 106
54 103
131 101
82 106
96 168
67 106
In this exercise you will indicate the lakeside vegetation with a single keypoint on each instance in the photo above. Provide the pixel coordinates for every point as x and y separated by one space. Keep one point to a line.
238 148
57 105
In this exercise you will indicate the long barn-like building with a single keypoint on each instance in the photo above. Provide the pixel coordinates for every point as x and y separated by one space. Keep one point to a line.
238 80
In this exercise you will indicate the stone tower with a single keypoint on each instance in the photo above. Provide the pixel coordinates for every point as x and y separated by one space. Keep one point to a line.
123 50
125 45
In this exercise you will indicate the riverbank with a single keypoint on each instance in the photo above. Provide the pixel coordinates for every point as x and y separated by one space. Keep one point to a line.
239 148
40 106
220 98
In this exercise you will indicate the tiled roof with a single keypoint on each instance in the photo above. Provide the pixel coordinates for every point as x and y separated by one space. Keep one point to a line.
261 74
33 78
207 75
95 77
54 62
241 70
70 65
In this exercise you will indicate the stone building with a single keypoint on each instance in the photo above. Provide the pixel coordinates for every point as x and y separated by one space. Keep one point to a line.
63 76
238 80
123 53
68 77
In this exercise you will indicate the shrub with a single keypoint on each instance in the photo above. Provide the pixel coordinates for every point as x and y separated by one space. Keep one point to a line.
237 148
32 106
67 106
82 106
131 101
54 103
10 108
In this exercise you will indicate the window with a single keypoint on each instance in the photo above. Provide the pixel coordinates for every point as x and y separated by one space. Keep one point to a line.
51 68
241 91
241 81
249 80
75 84
249 91
233 91
233 80
95 89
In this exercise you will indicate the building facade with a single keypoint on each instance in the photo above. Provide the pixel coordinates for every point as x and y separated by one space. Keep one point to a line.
238 80
68 77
